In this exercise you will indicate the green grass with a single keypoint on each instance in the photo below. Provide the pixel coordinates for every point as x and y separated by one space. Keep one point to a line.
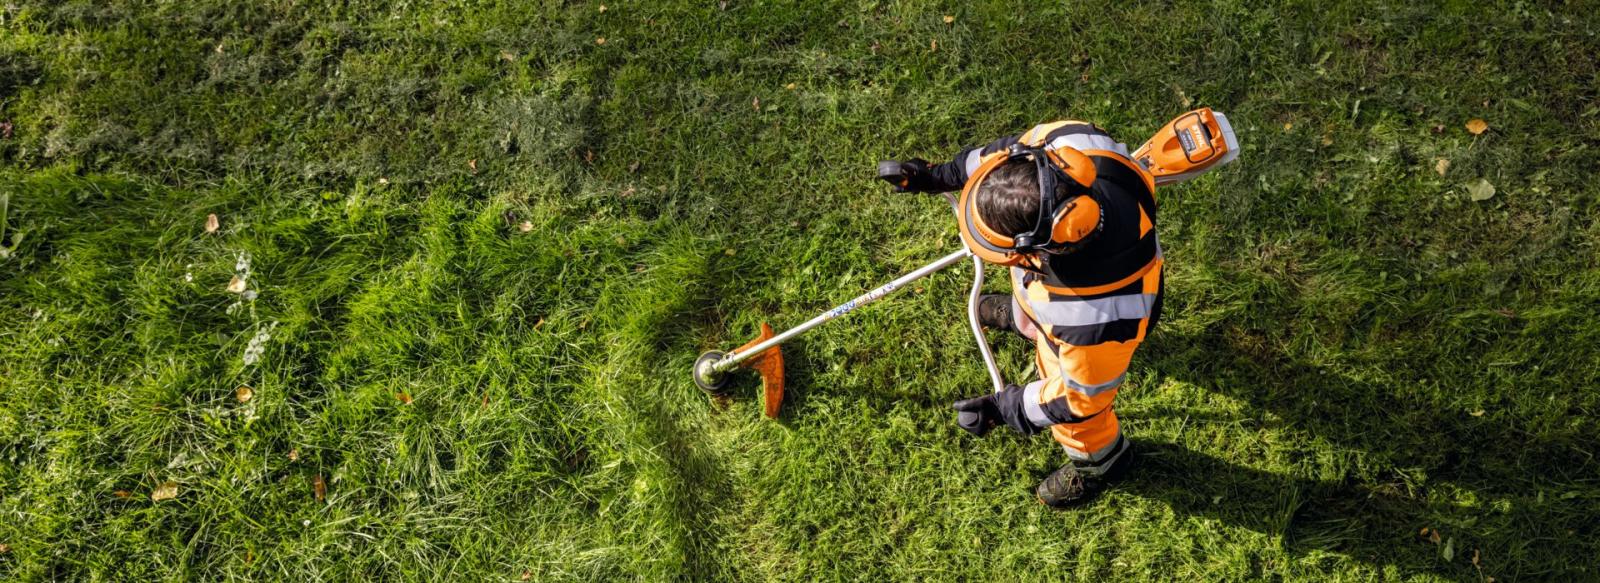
1353 350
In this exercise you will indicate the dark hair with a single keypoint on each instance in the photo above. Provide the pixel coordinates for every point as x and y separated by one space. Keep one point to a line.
1008 199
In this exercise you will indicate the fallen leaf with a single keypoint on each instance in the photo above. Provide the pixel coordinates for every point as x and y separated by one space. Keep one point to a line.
5 548
122 493
294 454
723 5
629 192
1288 126
621 240
588 156
933 45
729 252
949 19
212 223
1438 129
526 575
1433 536
600 41
602 8
319 487
1475 557
790 86
405 399
165 491
756 103
1481 190
383 181
219 48
1441 166
244 393
236 285
634 167
472 164
1477 126
525 226
1327 140
508 56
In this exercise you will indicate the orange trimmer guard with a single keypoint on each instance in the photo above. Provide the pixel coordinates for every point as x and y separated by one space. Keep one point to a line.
769 364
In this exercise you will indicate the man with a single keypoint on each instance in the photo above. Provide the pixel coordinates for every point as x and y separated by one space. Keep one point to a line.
1074 216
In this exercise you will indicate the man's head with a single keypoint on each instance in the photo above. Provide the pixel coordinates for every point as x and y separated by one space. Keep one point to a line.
1001 206
1008 199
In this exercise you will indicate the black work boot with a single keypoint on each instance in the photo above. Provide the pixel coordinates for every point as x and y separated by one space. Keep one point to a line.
1079 482
994 312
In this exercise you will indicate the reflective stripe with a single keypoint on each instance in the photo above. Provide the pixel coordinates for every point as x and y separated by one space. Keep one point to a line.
1030 401
1095 311
974 160
1089 390
1092 390
1089 142
1104 454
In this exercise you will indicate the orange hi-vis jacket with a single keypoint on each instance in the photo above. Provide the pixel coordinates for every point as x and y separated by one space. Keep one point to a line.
1089 310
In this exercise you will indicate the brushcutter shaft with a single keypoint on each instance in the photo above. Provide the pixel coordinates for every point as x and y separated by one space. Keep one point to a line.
842 309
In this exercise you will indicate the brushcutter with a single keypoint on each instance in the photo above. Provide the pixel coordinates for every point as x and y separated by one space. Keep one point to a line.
1184 148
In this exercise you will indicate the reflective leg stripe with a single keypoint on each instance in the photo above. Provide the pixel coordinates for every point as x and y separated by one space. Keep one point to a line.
1092 390
1103 457
1095 311
1055 412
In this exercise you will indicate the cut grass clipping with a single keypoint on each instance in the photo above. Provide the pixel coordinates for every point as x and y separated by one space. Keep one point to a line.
465 255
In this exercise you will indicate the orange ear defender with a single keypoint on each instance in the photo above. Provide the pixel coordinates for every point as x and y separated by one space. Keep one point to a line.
1064 223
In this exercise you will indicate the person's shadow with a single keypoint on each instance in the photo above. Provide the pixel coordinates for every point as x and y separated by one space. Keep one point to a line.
1496 495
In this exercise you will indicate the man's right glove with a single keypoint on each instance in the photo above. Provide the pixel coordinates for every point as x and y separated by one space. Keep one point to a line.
913 176
980 414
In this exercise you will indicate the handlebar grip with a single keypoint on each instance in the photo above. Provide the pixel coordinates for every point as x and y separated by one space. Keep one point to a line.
892 172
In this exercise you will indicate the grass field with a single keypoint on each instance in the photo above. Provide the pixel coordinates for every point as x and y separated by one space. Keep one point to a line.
480 243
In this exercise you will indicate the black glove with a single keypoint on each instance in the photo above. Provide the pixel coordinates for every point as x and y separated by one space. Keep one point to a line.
980 414
910 176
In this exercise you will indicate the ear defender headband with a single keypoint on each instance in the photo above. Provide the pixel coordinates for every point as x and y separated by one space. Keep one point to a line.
1063 224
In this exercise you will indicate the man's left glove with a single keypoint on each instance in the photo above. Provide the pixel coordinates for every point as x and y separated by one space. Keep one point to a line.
912 175
980 414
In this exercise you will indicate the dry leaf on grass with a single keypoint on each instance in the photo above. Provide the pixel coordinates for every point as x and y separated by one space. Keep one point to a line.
1481 190
236 285
405 399
319 487
602 8
5 548
294 454
949 19
525 226
122 493
790 86
244 393
600 41
165 491
1478 413
1441 166
212 224
1477 126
